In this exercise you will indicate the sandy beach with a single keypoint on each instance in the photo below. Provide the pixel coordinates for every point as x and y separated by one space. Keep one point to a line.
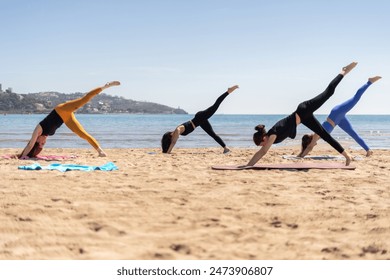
159 206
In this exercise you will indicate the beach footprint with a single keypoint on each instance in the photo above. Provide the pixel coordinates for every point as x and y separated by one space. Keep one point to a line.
97 227
180 248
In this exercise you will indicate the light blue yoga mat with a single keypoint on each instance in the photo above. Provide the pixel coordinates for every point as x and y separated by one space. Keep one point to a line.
110 166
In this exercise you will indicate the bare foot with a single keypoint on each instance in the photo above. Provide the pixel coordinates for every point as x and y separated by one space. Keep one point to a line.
369 153
231 89
374 79
348 160
111 84
348 68
101 152
226 150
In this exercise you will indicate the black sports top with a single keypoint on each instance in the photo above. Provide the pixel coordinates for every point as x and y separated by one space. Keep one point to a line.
51 123
284 128
188 128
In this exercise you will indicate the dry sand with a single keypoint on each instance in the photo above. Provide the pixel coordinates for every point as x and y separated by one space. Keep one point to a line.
160 206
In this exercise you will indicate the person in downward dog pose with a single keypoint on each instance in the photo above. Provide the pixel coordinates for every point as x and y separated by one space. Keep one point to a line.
169 139
337 117
287 127
63 113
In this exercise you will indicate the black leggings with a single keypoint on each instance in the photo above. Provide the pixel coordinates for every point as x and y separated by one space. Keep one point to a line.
201 119
306 109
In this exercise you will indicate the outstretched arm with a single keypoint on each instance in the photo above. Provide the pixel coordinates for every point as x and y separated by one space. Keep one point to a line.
264 149
175 135
36 133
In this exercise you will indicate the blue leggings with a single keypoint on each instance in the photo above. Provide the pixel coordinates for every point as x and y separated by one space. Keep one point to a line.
337 115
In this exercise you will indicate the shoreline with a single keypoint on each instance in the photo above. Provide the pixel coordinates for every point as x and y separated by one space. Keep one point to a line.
159 206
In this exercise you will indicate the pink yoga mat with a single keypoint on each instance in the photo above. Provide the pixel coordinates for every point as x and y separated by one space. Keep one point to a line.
47 157
295 165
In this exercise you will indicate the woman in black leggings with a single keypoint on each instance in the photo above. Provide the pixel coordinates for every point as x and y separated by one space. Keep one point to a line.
287 127
169 139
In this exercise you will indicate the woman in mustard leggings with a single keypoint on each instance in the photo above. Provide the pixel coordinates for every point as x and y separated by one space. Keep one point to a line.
63 113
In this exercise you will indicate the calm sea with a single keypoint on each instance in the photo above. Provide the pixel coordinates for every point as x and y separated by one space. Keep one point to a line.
145 131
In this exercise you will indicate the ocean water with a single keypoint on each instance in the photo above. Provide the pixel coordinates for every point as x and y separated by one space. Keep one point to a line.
145 131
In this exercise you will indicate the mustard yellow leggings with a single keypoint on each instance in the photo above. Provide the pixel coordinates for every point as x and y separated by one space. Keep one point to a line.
66 111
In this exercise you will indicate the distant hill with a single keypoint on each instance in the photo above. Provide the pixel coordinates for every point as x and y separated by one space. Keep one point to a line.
44 102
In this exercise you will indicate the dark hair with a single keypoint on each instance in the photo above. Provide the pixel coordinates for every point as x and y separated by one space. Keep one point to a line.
166 141
306 140
259 135
35 150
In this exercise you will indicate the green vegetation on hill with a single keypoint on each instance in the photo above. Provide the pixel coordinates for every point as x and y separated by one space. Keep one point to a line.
44 102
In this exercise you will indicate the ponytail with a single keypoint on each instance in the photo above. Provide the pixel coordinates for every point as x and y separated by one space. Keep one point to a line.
35 150
306 140
166 141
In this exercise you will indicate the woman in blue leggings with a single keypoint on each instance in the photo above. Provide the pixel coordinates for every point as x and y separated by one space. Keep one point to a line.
304 114
169 139
338 117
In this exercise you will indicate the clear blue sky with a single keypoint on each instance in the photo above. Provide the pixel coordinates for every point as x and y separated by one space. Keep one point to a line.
186 53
